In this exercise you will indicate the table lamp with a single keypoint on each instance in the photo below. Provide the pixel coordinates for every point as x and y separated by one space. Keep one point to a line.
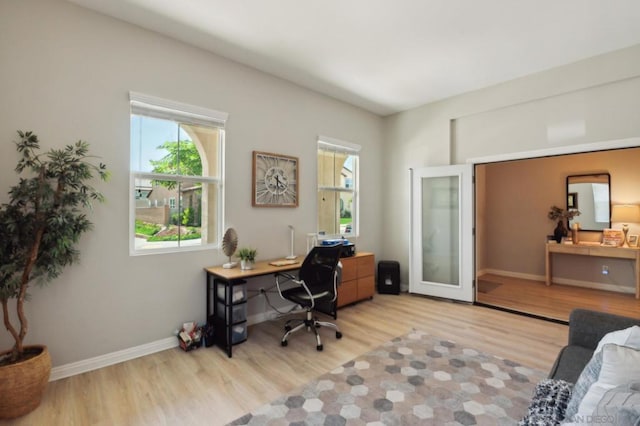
625 213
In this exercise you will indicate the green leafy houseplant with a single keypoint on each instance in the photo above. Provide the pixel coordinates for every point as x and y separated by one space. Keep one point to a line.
247 254
41 224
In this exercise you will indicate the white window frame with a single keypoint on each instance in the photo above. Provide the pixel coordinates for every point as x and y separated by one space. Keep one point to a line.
152 106
332 144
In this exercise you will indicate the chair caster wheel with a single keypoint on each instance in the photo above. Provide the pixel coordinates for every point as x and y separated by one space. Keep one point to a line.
338 335
284 343
319 347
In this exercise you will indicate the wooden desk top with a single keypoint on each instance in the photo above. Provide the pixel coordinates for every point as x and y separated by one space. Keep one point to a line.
264 268
259 268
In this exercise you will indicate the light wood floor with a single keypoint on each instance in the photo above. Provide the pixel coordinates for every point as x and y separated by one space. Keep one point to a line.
204 387
554 301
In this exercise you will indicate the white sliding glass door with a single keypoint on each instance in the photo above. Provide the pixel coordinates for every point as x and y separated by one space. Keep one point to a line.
441 255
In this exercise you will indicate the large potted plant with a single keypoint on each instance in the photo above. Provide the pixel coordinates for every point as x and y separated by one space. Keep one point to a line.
39 229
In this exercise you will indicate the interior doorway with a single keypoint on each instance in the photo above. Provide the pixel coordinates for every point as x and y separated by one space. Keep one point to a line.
513 198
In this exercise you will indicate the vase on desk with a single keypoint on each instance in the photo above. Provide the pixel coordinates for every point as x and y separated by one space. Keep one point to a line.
246 264
559 232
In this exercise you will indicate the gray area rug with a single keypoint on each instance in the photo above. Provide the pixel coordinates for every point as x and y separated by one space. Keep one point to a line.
416 379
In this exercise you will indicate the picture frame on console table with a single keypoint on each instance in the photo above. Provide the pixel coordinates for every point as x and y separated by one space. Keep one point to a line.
612 237
633 240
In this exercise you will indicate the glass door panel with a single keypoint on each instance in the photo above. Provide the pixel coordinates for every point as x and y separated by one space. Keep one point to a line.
441 256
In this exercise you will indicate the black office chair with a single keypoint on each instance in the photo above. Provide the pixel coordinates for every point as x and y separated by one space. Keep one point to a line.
315 290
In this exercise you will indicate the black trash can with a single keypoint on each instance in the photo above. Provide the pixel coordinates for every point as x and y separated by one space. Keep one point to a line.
388 277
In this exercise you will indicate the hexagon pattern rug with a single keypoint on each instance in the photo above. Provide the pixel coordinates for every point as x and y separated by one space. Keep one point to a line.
416 379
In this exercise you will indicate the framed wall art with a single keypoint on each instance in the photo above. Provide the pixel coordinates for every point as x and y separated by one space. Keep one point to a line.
275 180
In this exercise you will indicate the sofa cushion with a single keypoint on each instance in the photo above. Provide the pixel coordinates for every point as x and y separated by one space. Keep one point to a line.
587 378
620 365
620 404
628 337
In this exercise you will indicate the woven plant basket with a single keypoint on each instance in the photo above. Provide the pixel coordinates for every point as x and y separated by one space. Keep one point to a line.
23 384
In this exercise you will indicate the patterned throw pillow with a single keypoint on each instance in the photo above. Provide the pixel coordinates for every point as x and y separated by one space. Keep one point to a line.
549 403
620 365
588 377
620 405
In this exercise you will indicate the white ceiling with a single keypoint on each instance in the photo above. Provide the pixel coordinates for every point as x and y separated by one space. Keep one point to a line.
391 55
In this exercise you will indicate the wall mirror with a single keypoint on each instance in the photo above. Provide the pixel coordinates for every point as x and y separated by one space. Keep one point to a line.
591 196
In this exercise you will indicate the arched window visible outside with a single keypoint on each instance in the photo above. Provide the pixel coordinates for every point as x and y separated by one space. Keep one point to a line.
338 163
176 175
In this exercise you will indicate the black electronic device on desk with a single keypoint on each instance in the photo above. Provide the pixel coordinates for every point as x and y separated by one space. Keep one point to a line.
348 249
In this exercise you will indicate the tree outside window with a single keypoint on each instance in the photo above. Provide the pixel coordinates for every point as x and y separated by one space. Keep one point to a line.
177 182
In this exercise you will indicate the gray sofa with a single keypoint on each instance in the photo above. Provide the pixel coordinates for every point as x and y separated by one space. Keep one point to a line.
586 328
558 398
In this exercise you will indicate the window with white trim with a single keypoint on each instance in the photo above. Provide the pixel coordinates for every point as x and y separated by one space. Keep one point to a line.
338 163
177 192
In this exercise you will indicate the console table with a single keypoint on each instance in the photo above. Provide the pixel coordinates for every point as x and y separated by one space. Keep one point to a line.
597 251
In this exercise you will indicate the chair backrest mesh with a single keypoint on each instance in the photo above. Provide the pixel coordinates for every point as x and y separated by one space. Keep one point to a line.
319 268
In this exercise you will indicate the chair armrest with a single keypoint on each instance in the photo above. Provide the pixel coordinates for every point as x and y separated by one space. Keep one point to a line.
292 278
282 278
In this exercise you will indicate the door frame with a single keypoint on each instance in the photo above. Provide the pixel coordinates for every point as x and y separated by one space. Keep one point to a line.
559 150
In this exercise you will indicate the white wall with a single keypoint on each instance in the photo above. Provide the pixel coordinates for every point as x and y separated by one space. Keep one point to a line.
66 73
426 136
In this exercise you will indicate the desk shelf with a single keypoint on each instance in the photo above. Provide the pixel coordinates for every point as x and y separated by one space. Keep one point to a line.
227 300
227 311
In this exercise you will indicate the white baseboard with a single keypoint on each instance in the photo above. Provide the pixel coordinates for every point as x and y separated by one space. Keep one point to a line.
563 281
112 358
511 274
106 360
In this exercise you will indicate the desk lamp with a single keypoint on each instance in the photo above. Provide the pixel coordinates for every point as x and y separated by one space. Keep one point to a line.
291 255
625 213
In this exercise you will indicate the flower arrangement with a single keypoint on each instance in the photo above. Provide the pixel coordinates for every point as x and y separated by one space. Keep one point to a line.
561 215
556 213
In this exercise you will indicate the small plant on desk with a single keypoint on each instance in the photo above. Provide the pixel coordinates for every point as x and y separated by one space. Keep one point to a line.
247 257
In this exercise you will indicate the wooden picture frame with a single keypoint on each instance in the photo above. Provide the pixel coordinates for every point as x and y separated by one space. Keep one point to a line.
633 240
572 200
274 180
